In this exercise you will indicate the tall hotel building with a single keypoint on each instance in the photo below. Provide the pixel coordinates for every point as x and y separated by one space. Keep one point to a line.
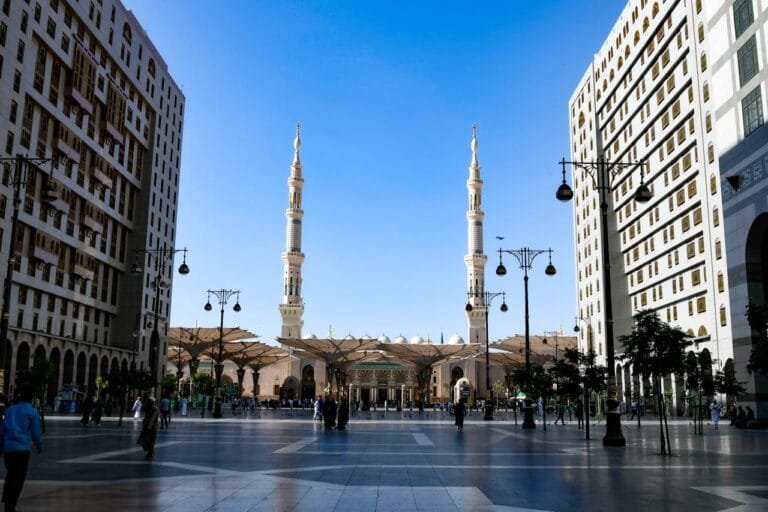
738 30
648 96
82 85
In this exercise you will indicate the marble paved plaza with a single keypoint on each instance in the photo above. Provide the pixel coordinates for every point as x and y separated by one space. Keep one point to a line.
397 464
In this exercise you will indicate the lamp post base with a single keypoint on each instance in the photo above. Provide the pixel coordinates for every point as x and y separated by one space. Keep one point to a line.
217 408
488 412
528 415
613 435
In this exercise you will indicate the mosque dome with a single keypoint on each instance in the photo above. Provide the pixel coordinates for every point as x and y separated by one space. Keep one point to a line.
417 340
309 336
349 337
383 339
456 340
400 339
367 338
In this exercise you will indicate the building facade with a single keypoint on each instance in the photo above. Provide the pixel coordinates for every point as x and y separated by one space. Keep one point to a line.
738 31
648 97
84 91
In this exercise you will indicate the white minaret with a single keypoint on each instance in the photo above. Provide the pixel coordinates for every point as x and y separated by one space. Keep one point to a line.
475 258
292 307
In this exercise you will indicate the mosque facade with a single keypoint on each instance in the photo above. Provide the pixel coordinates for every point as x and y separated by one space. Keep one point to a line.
384 382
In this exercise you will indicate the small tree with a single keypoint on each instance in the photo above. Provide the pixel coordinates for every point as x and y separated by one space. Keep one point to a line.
565 374
757 316
707 378
726 383
541 384
204 385
655 349
168 383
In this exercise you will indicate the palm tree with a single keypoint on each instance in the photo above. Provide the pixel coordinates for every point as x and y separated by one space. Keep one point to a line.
656 349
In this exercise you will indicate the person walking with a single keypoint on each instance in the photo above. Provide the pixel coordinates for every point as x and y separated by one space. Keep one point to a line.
20 427
86 409
165 412
184 406
343 414
137 408
580 413
459 412
148 434
96 412
560 414
329 412
318 409
714 413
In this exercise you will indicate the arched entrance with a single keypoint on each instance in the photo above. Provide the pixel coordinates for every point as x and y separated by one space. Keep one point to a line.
80 374
93 368
308 382
69 367
756 263
22 357
756 259
290 389
53 380
457 373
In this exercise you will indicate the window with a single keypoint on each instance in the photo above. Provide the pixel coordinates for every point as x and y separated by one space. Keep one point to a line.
720 282
716 217
723 319
742 16
747 57
703 61
701 305
752 111
696 278
718 249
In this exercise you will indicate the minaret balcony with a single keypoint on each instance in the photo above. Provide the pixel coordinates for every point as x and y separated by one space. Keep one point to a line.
295 181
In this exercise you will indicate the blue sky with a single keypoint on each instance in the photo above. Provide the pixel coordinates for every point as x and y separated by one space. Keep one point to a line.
386 93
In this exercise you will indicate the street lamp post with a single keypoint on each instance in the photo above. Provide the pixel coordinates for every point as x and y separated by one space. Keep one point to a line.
487 299
179 372
525 257
49 194
223 296
603 172
162 258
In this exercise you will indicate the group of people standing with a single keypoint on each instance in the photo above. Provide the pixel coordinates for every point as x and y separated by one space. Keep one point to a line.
333 414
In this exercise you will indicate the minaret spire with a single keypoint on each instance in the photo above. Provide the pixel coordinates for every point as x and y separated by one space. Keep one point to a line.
292 306
475 259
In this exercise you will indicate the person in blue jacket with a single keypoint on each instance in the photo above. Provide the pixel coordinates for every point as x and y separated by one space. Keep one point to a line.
21 427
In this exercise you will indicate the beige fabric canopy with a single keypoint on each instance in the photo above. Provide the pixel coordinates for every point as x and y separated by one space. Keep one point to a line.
541 352
197 342
340 354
